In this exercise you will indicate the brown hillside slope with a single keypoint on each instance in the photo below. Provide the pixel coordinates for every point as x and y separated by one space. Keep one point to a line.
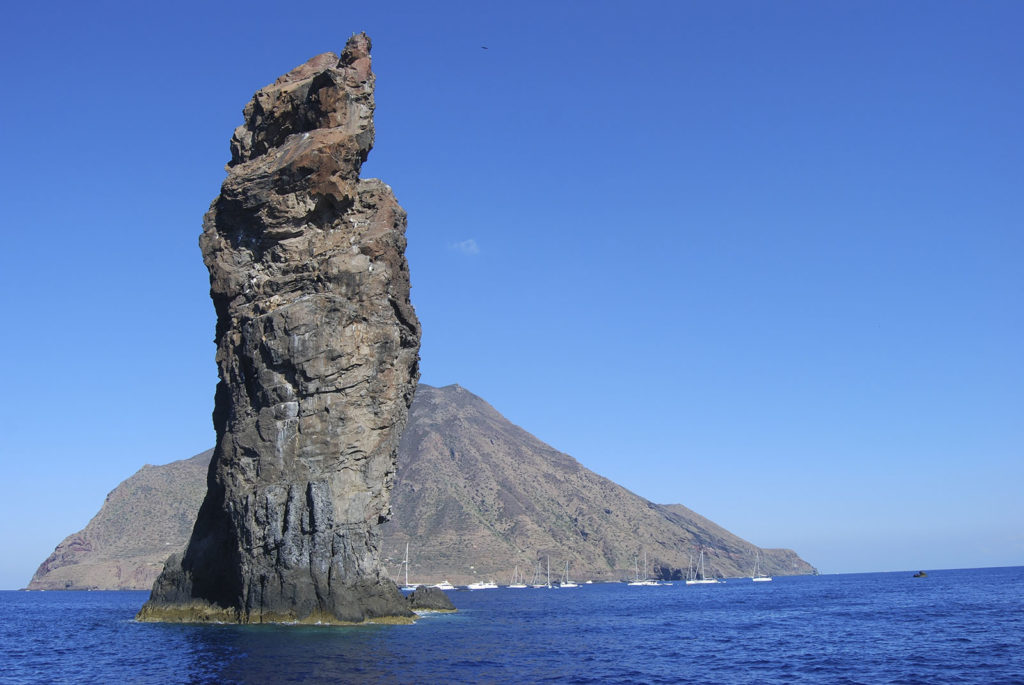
474 496
142 521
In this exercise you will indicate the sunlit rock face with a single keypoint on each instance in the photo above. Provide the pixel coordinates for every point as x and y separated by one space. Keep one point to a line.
317 350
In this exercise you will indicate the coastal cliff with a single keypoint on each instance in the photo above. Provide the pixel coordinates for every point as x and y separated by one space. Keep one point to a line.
317 352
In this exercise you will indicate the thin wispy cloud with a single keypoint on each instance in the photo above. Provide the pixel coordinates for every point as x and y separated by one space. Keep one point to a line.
466 247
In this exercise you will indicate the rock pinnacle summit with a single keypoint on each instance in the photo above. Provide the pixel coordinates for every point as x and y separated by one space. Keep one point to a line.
317 352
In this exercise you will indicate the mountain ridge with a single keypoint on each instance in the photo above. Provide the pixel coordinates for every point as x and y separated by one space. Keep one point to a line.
465 469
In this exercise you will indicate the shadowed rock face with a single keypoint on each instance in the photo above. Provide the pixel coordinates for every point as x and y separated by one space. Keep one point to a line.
317 349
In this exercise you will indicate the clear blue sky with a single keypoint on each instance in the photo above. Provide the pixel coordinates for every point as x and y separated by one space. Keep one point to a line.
760 258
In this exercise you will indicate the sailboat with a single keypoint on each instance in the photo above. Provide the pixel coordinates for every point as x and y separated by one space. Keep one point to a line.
536 582
517 580
645 581
698 575
565 579
407 587
759 577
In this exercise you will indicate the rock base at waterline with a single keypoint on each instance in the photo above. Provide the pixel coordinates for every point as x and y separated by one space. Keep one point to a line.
361 602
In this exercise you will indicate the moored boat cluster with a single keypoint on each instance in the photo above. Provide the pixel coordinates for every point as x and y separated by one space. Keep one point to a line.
696 575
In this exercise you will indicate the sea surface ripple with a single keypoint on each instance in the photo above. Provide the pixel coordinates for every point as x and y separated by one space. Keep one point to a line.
957 626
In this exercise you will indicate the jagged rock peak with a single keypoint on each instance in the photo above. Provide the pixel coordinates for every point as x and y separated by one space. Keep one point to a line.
327 92
317 352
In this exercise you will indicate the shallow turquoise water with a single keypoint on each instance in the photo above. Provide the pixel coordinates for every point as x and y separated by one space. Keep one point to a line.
962 626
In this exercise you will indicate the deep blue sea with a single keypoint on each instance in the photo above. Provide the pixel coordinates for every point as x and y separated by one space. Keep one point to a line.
958 626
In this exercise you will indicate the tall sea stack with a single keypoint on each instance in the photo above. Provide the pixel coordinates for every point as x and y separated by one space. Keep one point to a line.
317 350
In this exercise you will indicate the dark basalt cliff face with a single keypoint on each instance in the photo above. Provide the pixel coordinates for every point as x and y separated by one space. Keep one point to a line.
317 350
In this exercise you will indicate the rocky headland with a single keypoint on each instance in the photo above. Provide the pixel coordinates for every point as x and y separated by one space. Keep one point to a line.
317 352
142 521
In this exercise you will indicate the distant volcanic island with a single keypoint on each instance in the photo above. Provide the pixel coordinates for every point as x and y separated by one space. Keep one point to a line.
317 352
474 497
